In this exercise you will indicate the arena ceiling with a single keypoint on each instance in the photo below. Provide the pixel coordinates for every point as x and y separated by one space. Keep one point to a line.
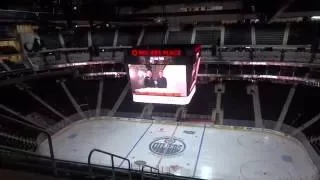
107 9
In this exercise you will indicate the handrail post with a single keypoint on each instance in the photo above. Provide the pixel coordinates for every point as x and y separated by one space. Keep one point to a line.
142 173
112 162
113 172
41 130
52 155
89 162
150 167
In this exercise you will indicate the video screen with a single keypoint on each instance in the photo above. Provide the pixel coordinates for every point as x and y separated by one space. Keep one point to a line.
163 74
165 84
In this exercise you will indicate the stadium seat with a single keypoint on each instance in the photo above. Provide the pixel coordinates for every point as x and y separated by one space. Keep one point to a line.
79 57
153 35
103 37
179 37
50 40
291 56
271 34
301 34
233 37
128 36
207 37
260 55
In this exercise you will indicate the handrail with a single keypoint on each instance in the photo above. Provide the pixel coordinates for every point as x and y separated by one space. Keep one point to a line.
23 152
85 164
151 168
32 154
112 162
41 130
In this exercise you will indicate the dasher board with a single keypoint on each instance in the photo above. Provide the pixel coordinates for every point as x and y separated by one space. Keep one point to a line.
185 150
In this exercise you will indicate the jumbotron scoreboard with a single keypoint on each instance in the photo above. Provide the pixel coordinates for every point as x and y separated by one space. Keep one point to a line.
164 74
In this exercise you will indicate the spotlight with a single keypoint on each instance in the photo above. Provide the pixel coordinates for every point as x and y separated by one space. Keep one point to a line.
316 18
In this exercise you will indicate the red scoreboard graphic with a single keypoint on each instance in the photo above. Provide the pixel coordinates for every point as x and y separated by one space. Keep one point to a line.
163 74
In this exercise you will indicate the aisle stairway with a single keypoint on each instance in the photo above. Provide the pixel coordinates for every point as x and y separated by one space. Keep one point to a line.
17 142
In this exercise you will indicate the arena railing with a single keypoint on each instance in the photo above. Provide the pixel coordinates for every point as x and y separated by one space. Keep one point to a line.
112 156
71 168
189 118
152 169
224 53
39 162
47 134
268 124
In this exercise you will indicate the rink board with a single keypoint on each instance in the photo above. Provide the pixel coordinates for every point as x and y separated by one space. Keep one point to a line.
201 151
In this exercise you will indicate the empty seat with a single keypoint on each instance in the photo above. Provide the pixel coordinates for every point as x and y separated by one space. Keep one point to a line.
118 55
37 61
154 35
302 107
297 56
15 65
237 35
203 100
50 40
79 57
76 39
8 50
128 36
301 34
206 53
106 55
236 100
317 58
267 55
103 38
269 34
235 56
207 37
179 37
57 58
2 69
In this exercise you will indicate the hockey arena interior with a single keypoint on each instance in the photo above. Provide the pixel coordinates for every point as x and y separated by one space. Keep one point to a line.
180 89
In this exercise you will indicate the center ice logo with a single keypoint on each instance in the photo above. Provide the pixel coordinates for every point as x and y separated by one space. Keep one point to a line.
167 146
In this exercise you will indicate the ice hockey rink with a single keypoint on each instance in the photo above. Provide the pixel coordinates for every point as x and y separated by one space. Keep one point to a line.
200 151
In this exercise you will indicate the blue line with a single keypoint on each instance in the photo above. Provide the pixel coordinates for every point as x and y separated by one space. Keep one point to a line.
195 167
136 143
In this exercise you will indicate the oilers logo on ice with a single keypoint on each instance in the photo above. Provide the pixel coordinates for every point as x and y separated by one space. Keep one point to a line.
167 146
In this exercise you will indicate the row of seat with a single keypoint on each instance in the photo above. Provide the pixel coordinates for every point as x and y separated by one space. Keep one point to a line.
41 60
274 34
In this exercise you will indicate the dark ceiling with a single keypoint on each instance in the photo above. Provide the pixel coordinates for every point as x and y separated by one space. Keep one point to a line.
109 9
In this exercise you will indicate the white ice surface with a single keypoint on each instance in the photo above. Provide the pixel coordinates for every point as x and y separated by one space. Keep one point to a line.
210 153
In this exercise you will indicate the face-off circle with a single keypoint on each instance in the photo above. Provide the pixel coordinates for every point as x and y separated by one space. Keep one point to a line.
259 142
253 170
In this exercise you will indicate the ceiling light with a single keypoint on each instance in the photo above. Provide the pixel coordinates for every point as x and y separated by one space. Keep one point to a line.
315 17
